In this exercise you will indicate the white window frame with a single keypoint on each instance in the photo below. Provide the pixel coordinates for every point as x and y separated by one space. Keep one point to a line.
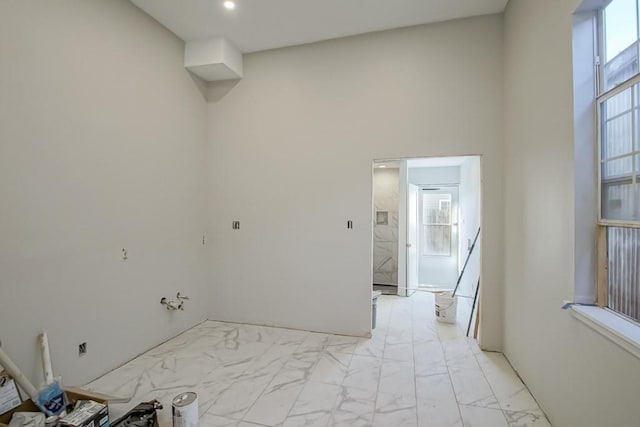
600 53
423 226
603 223
615 326
600 100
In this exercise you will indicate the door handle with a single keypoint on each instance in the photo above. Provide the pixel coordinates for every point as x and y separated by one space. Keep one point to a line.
408 245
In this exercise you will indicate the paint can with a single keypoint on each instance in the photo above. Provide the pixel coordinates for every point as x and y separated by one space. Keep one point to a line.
185 410
446 307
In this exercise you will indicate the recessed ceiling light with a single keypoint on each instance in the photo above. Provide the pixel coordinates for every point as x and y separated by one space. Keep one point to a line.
230 5
382 166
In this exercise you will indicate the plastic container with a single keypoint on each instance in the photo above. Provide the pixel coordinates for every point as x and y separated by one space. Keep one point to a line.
446 307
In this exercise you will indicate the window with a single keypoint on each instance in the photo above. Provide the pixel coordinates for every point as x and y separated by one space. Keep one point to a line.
436 224
618 107
620 156
619 42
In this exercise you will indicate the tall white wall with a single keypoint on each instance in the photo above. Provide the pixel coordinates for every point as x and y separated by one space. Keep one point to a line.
336 106
102 141
469 222
578 376
470 182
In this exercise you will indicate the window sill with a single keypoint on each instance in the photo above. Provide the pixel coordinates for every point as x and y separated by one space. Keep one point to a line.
621 331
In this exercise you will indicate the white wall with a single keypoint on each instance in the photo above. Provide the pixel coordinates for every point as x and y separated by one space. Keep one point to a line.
386 188
579 377
469 203
337 106
102 140
470 220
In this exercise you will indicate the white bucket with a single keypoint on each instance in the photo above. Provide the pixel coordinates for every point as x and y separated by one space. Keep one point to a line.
446 307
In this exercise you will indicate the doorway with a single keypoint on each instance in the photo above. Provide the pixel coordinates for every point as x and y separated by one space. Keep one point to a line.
386 210
426 217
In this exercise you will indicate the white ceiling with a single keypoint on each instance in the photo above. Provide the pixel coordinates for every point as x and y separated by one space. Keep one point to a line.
257 25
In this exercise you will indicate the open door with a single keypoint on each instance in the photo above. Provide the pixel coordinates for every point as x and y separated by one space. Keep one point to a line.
439 223
413 261
408 217
403 190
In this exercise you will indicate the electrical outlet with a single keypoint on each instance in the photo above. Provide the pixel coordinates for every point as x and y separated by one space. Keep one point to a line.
82 349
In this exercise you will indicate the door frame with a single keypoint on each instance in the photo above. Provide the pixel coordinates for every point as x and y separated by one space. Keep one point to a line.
402 253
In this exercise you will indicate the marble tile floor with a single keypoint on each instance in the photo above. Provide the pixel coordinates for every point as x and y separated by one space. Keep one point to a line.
414 371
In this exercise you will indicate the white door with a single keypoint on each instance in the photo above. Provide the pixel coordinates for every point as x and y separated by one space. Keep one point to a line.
403 191
439 236
412 238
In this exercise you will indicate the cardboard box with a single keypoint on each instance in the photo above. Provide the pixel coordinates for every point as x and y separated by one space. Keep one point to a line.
87 413
73 394
9 396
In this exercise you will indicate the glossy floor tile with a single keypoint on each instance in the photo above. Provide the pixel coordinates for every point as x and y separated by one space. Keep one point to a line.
414 371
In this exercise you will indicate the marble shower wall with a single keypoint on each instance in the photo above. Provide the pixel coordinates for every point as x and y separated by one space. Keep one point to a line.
386 186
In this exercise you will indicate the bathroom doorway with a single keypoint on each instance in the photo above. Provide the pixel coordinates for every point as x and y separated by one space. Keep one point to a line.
386 187
426 217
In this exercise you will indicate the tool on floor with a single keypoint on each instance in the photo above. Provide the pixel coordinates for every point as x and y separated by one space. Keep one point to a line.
184 408
143 415
466 262
473 306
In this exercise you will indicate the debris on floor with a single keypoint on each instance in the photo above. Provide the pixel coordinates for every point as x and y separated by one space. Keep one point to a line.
143 415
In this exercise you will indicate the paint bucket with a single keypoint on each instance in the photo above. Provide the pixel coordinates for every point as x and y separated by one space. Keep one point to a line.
185 410
446 307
